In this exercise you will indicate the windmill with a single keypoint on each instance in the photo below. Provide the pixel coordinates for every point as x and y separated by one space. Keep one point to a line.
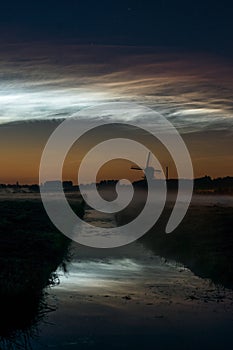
148 170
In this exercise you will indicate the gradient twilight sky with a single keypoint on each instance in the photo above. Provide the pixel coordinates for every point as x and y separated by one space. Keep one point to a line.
53 68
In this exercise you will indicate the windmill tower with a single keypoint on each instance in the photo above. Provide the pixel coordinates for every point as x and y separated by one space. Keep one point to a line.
148 170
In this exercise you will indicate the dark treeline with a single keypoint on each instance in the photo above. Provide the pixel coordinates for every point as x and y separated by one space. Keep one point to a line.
207 185
204 184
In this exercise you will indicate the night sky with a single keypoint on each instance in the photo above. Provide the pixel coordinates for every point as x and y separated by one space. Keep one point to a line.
59 57
199 24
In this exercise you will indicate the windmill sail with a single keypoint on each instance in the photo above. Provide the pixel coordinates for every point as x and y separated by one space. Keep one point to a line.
136 168
148 160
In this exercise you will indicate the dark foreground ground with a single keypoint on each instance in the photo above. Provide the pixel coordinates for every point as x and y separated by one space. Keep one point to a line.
31 250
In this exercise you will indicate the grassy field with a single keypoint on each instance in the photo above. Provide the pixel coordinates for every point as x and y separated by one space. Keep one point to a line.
203 242
31 249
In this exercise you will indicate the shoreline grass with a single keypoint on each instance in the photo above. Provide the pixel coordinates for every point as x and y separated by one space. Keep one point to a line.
31 249
203 242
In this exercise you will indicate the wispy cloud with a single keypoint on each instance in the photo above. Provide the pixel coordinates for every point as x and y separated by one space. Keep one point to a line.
194 91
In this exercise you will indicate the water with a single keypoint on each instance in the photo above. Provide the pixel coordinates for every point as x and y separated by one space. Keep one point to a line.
128 298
